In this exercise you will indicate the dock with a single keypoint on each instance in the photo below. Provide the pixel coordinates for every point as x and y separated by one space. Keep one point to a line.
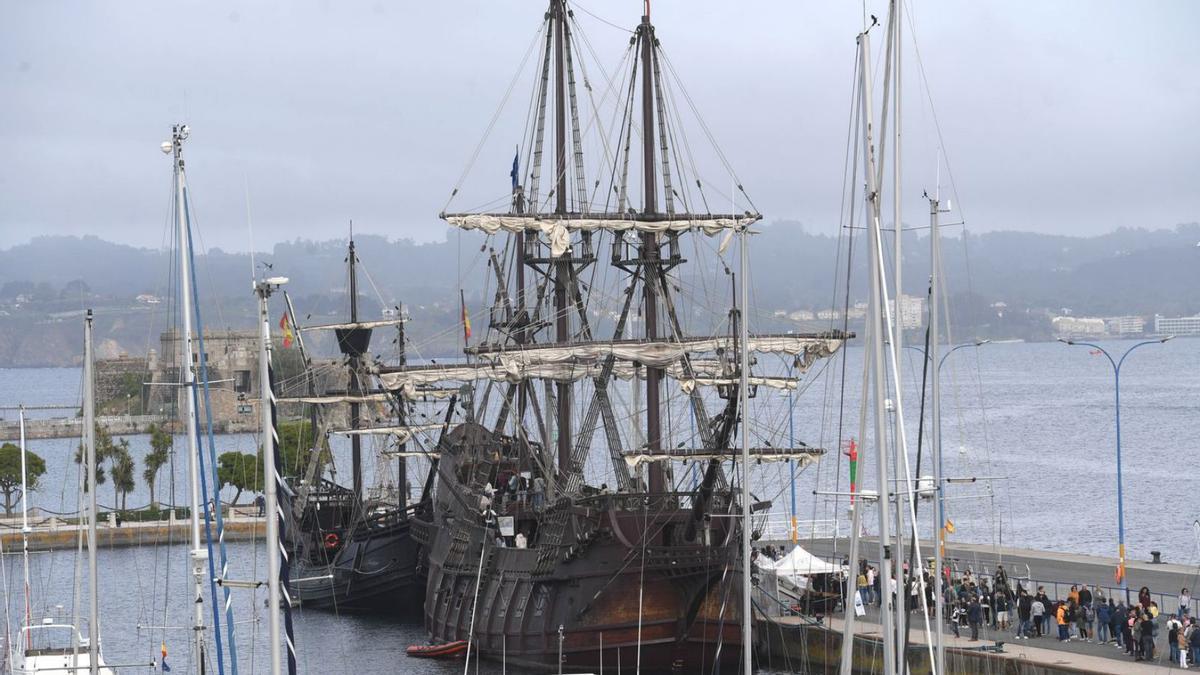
56 534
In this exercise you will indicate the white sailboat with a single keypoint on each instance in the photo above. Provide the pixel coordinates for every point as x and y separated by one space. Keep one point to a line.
52 645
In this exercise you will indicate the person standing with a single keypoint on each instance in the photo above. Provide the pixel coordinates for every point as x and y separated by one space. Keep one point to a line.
1181 643
1047 608
539 493
1147 638
1062 616
1086 617
1001 605
1174 630
1117 623
1185 603
1024 615
1037 610
974 617
1103 619
1194 643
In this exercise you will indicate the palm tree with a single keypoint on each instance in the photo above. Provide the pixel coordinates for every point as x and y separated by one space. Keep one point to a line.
159 455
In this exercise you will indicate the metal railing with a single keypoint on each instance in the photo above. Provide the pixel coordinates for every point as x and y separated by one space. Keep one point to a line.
779 528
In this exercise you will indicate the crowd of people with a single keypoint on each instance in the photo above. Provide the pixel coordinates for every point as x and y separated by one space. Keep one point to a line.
1085 614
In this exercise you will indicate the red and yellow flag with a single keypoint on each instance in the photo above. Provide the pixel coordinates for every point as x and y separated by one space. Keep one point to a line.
466 318
286 327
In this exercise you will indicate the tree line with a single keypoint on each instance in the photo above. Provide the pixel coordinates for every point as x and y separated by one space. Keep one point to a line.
115 464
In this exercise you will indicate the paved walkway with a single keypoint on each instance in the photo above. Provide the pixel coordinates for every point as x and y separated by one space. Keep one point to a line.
1090 657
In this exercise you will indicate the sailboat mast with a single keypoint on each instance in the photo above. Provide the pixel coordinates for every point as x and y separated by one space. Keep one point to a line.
649 251
744 338
898 322
270 485
89 435
876 357
179 133
25 522
935 303
355 385
562 329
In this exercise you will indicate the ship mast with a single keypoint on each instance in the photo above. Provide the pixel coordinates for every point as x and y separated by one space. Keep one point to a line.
562 266
649 252
355 384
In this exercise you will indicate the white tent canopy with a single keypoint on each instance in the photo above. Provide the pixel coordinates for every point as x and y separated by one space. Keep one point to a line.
799 563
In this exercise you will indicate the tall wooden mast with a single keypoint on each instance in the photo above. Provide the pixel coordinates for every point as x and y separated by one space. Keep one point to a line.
562 267
355 385
649 249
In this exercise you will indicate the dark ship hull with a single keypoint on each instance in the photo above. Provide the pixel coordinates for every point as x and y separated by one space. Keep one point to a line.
620 557
375 574
371 567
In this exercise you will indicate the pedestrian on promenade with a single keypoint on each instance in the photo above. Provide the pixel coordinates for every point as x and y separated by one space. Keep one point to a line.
261 503
1120 614
1185 603
1037 610
1024 615
864 591
974 617
1086 616
1103 619
1144 597
1062 615
956 616
1073 596
1147 638
1194 643
1001 605
1131 645
1181 643
1174 632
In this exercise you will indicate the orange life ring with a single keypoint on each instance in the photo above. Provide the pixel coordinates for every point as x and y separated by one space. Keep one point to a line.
332 540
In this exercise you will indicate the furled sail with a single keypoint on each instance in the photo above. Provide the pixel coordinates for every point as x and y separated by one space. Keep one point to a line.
803 456
354 325
557 228
401 432
806 347
525 365
336 398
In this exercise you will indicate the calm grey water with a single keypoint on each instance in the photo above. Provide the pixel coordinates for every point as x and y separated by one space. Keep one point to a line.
1036 417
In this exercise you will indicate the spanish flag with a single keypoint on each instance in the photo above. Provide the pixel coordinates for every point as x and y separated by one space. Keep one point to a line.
949 526
466 318
286 327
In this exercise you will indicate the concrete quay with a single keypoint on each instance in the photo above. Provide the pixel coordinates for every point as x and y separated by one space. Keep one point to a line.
54 534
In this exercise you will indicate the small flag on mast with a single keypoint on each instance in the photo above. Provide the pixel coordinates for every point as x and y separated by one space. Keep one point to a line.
163 662
285 326
516 169
466 318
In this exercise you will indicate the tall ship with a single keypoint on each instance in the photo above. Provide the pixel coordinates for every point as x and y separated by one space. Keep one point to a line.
588 509
352 550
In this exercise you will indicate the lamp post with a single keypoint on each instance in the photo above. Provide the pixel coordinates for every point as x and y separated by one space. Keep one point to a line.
1116 365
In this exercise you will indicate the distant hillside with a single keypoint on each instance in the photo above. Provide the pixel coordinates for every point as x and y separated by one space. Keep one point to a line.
1129 271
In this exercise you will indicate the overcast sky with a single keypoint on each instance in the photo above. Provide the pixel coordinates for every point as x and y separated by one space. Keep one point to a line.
1067 117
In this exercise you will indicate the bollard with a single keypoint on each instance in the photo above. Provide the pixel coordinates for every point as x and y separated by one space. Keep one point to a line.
1156 558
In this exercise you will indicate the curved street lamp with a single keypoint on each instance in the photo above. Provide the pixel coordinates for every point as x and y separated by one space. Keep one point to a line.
1116 365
